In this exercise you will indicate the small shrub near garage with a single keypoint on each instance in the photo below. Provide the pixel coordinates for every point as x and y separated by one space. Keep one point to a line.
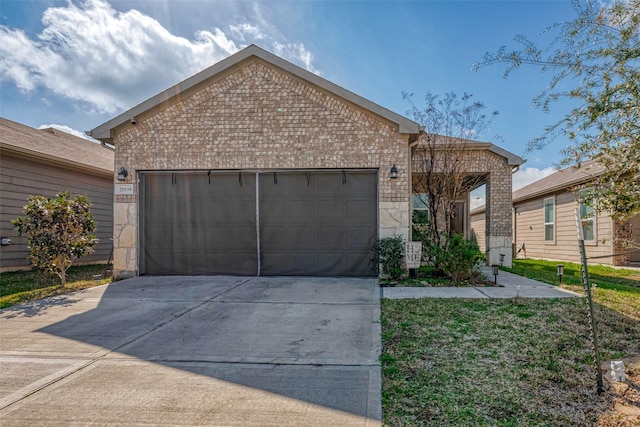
389 257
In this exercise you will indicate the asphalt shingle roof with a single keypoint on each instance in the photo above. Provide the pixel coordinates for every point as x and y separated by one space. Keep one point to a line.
57 146
560 180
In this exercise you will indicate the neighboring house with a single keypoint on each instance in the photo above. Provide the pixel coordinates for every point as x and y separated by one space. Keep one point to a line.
255 166
46 162
545 221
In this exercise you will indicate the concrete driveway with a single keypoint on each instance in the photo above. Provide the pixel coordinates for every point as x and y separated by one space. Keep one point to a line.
181 351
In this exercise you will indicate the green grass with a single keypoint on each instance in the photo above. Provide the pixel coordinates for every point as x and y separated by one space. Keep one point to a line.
518 362
545 271
617 289
24 286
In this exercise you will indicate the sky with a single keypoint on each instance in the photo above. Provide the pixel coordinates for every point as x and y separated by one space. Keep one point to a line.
76 64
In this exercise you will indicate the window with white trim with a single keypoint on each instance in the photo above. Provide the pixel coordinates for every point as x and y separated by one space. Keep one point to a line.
420 208
550 219
587 217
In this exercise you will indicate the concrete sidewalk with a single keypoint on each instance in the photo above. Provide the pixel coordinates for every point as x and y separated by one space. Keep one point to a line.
187 351
509 286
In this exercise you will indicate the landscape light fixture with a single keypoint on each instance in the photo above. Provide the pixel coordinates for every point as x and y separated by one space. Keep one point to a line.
495 268
560 271
393 173
501 259
122 174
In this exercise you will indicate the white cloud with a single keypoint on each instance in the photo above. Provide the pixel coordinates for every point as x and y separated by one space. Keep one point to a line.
111 60
295 52
527 175
246 31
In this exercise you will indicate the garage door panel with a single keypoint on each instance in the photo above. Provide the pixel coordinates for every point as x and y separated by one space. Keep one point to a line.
297 183
329 203
302 237
331 237
329 184
287 238
301 211
328 263
310 223
331 211
198 224
360 238
359 209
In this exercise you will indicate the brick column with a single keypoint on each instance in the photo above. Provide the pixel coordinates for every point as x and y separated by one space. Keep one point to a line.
498 215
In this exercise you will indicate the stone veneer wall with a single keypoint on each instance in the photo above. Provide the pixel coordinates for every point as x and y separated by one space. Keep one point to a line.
259 117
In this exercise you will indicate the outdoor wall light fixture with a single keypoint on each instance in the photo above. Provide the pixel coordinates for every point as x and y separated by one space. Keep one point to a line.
501 259
495 269
6 241
122 174
560 268
393 173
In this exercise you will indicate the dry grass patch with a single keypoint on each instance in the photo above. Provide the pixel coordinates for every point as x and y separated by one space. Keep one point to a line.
497 362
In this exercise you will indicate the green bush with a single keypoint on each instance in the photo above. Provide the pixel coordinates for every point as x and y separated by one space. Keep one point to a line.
459 259
389 256
58 230
455 257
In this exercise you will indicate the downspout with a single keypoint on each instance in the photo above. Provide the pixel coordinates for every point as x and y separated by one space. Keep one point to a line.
412 145
514 216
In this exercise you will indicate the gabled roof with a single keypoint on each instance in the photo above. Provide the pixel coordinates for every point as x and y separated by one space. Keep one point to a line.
469 144
54 146
103 132
560 180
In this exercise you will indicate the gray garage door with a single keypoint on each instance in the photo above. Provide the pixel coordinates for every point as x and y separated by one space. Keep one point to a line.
319 223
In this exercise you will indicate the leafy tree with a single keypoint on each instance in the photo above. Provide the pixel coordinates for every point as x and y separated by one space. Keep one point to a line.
58 231
595 61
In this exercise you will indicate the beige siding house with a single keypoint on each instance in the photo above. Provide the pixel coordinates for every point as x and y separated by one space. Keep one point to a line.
544 221
255 166
45 162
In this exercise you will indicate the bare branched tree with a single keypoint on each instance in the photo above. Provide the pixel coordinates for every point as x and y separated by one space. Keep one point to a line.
440 158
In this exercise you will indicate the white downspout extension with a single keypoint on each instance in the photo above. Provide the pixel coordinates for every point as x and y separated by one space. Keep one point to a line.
410 180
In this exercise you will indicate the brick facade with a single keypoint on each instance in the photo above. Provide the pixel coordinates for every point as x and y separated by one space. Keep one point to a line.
256 112
498 214
257 116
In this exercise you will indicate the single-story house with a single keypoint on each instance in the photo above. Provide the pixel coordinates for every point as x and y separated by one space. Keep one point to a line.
544 221
255 166
46 162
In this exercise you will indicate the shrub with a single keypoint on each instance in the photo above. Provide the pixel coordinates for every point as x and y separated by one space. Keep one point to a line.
389 255
459 259
58 231
449 254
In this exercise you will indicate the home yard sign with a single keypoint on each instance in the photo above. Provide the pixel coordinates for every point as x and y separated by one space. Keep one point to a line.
413 254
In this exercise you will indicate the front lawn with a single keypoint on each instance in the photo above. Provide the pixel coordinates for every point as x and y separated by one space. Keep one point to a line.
19 287
511 362
617 289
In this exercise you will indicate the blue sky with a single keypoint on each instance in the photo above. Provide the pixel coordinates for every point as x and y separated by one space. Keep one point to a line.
76 64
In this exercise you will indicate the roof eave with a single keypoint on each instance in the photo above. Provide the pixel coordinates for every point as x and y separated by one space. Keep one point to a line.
512 159
550 190
55 160
104 131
